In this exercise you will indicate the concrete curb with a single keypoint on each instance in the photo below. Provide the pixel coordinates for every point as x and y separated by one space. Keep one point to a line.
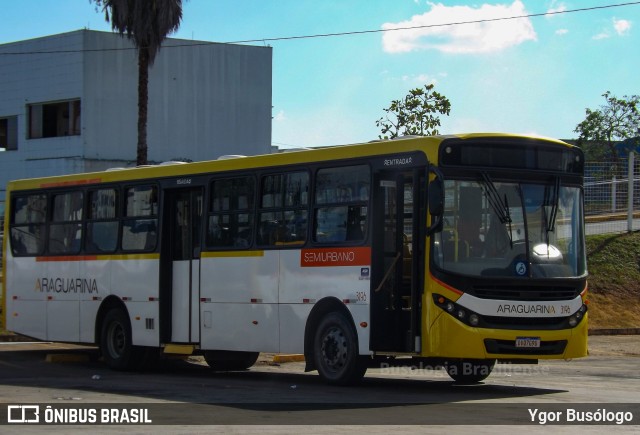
609 217
615 331
287 358
15 338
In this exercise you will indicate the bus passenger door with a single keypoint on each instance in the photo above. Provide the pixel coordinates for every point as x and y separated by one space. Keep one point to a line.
181 252
396 259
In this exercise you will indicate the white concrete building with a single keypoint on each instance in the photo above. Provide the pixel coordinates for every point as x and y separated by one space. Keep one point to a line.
68 103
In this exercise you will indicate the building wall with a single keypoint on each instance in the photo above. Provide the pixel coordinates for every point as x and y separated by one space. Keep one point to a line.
201 98
110 105
216 100
35 78
205 100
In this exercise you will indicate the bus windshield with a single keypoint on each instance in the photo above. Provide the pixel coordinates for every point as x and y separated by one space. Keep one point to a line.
511 229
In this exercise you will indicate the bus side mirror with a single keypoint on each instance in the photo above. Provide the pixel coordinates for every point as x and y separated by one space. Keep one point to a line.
436 203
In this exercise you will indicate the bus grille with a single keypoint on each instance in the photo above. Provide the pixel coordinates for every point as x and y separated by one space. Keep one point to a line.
509 347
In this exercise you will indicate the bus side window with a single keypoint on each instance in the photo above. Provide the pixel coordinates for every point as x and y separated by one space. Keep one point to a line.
139 231
331 224
28 225
230 221
103 223
282 220
102 236
65 231
340 209
355 219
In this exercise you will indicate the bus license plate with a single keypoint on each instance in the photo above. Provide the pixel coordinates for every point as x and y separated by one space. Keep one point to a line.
528 342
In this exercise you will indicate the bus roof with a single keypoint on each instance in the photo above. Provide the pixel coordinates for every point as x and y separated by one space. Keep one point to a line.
427 144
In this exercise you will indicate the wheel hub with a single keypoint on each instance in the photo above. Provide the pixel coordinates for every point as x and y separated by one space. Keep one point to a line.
117 340
334 348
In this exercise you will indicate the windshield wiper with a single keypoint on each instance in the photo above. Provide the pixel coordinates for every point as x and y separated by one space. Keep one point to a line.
551 219
500 208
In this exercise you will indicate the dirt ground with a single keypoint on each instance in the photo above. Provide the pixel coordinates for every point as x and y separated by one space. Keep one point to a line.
614 345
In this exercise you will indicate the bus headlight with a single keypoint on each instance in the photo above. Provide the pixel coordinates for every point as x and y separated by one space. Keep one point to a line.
577 316
573 321
462 314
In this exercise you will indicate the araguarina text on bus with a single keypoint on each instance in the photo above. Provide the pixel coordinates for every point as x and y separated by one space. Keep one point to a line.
66 285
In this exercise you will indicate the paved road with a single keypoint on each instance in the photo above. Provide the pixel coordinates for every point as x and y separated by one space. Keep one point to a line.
272 398
619 226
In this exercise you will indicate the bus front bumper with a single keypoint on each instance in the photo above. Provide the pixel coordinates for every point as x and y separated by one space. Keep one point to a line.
450 338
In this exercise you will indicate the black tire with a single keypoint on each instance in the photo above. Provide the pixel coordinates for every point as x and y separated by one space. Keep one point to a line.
335 350
470 371
230 360
115 341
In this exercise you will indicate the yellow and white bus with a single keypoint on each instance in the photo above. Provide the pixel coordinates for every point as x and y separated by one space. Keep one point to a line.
458 251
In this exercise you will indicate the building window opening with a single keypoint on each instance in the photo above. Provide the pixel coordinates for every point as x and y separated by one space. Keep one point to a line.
9 133
54 119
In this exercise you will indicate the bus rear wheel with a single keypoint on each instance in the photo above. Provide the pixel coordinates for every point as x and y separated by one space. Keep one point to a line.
469 371
230 360
335 350
115 341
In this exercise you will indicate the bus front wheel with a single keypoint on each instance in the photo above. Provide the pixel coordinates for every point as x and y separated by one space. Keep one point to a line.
335 350
115 341
469 371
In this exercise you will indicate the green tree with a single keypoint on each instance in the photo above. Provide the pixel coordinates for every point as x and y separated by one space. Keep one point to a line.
146 23
416 114
602 129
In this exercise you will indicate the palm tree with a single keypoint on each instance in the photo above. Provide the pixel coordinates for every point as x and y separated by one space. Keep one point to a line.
146 23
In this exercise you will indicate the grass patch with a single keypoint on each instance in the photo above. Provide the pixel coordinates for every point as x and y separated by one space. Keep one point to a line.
614 280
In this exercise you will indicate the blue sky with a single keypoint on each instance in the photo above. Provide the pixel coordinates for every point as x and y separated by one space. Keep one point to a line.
531 75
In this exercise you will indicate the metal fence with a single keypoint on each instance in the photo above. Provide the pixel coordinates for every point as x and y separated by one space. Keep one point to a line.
612 196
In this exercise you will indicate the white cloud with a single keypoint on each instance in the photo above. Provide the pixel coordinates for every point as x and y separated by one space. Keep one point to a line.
555 9
601 35
322 126
479 36
419 78
561 32
280 116
622 26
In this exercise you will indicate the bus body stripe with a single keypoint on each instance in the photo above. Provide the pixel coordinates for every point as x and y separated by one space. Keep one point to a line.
71 183
447 286
152 256
231 254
